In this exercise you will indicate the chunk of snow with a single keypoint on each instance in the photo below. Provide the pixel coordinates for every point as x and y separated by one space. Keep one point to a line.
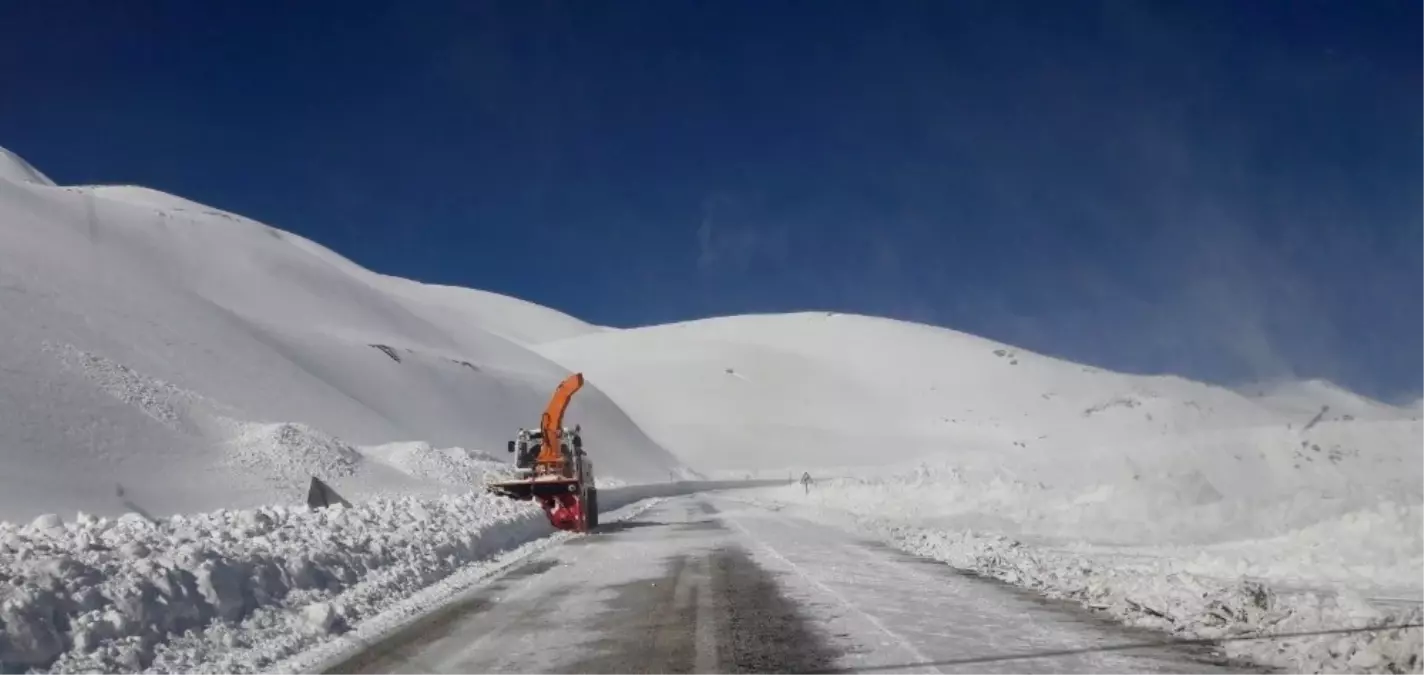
46 522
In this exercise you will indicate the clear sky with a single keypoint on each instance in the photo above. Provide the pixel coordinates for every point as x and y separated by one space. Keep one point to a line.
1222 189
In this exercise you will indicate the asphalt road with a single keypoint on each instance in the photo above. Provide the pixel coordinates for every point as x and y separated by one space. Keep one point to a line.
699 584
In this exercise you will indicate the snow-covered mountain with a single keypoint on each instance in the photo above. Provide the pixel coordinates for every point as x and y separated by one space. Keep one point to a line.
180 351
160 355
199 360
936 426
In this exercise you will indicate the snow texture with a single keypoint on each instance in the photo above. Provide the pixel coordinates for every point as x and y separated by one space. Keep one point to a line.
16 169
107 594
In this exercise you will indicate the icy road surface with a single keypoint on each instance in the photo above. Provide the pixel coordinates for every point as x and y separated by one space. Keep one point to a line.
698 584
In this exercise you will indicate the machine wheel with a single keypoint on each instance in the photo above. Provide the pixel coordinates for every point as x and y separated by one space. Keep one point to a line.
591 508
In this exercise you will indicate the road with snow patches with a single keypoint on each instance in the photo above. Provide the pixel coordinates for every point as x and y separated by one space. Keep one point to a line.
702 584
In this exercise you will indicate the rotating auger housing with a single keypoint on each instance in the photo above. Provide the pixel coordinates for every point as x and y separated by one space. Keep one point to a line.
553 468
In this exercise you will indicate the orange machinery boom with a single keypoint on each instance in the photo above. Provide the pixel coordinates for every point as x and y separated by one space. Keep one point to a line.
562 484
552 422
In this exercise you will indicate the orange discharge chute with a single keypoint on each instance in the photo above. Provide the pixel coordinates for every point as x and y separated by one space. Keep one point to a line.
562 484
551 424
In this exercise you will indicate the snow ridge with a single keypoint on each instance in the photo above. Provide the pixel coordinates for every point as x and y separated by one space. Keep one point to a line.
15 168
105 594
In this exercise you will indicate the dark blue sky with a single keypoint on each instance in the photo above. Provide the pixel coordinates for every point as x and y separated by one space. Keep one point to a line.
1223 189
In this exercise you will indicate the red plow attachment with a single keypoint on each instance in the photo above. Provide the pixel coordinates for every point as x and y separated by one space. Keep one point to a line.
566 502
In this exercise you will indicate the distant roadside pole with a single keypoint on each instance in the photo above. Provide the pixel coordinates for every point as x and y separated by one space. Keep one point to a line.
806 482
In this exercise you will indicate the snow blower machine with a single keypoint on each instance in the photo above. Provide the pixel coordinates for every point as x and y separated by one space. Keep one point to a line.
553 468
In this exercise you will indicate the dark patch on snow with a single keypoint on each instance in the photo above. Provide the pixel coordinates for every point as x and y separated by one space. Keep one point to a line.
1316 420
1119 402
388 351
466 364
320 495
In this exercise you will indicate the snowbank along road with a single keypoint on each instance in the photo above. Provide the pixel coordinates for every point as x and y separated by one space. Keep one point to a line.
699 584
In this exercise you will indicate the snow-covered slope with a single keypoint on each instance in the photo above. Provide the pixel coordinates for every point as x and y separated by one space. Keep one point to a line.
468 308
819 389
196 359
1148 497
14 168
450 309
1014 439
